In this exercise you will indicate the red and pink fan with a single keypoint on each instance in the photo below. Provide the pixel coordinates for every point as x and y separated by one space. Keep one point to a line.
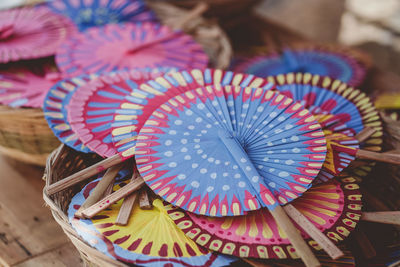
26 83
92 106
127 46
29 33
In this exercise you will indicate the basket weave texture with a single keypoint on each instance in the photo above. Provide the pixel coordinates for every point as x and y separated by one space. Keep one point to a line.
25 135
61 163
206 32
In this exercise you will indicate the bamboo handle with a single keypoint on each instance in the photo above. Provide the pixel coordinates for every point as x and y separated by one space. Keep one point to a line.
144 200
365 134
325 243
100 188
114 197
83 174
386 217
126 209
382 157
302 249
127 206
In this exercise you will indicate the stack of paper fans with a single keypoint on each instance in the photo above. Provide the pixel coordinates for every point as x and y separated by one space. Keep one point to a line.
226 165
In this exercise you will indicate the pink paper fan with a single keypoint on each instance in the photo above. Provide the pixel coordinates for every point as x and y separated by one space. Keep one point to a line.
92 107
28 33
26 83
129 46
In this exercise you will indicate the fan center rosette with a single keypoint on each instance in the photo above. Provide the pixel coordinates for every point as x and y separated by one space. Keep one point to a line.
187 151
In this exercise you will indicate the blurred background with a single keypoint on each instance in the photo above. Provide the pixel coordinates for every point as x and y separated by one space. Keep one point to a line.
371 25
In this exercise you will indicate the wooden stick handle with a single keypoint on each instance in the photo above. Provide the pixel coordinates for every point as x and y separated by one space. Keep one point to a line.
386 217
126 209
101 187
382 157
114 197
144 200
302 249
365 134
323 241
83 174
127 205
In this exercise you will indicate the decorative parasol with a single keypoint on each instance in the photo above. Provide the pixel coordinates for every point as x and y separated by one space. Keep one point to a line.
150 238
55 110
128 46
26 83
339 63
87 14
29 33
333 207
231 132
92 107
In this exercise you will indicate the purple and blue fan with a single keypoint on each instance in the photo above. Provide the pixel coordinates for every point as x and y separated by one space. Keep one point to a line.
338 63
89 13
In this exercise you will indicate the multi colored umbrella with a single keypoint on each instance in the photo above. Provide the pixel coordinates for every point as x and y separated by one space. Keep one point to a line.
29 33
128 46
136 108
91 13
26 83
340 63
333 207
92 107
323 95
150 238
55 110
192 146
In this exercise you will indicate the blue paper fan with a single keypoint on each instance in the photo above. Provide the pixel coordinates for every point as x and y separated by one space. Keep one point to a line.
89 13
137 107
55 110
336 62
222 151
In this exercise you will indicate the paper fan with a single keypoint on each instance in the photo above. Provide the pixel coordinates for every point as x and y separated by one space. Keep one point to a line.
151 238
91 13
136 108
334 208
324 60
223 151
29 33
341 146
92 107
55 110
322 95
129 46
26 83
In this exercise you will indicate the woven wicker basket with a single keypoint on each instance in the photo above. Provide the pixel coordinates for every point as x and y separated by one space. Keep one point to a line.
25 135
206 32
61 163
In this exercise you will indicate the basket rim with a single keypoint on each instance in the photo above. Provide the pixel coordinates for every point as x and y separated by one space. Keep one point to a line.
87 252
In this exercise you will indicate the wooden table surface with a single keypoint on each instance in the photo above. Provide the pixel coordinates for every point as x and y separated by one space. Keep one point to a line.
29 236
